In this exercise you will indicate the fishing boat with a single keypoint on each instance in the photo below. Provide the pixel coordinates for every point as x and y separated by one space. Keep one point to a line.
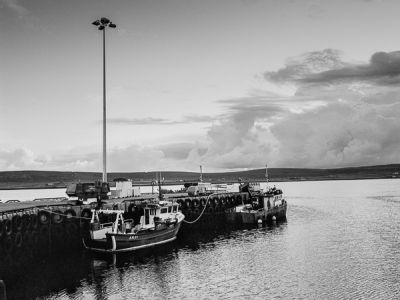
263 208
153 224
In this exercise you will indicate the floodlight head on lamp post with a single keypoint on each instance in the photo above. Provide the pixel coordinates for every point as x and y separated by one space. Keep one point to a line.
103 23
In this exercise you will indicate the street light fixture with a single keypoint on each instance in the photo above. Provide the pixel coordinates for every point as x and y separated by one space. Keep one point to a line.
102 24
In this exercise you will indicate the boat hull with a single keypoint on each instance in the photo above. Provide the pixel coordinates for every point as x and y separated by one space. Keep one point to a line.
115 242
253 216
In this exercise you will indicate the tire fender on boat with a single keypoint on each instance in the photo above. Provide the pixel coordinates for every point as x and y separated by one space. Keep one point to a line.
34 221
238 200
18 240
8 245
44 217
70 214
58 216
17 223
86 214
188 202
1 229
26 221
7 227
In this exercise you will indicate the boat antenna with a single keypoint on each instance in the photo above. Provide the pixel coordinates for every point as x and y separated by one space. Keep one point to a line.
201 173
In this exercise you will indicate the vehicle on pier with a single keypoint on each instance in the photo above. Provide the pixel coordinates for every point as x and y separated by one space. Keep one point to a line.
264 207
152 224
84 191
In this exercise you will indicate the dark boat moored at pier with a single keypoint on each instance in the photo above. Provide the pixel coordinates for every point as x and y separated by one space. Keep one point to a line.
153 224
264 207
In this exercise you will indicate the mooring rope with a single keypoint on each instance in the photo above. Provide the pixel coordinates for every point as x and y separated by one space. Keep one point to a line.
204 208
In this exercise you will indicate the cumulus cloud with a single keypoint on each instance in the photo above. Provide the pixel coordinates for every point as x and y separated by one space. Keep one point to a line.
352 121
178 151
21 159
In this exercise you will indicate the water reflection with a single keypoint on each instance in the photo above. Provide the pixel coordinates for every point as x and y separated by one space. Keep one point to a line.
156 270
341 240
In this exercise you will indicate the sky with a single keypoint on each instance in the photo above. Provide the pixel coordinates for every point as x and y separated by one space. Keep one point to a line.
226 84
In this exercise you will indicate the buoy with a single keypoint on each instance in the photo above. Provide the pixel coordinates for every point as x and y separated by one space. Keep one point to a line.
273 218
259 221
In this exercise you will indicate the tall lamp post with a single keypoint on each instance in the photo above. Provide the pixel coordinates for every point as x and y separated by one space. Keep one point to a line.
102 24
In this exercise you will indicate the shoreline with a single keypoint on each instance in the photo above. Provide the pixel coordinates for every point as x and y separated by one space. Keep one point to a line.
42 186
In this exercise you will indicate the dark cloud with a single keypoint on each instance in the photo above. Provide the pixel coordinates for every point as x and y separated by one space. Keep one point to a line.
160 121
141 121
383 68
327 67
259 107
313 62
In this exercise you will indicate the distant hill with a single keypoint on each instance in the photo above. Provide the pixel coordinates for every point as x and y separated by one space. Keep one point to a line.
54 179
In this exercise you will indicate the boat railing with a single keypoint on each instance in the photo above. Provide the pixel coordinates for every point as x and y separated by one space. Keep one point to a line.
103 225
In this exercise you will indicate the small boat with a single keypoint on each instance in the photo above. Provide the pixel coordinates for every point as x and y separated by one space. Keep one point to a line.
264 208
158 223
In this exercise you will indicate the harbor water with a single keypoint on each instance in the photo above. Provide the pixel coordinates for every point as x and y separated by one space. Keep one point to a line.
341 240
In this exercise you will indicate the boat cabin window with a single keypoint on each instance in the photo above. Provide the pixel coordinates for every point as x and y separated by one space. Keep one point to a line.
164 210
146 216
175 207
169 209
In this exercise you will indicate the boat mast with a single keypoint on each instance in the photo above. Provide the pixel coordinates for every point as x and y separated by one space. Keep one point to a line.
266 173
160 196
201 173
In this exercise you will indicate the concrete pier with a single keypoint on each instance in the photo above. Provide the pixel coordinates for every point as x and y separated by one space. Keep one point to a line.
33 229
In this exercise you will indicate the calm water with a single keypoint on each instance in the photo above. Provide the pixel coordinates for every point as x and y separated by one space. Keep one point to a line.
340 241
